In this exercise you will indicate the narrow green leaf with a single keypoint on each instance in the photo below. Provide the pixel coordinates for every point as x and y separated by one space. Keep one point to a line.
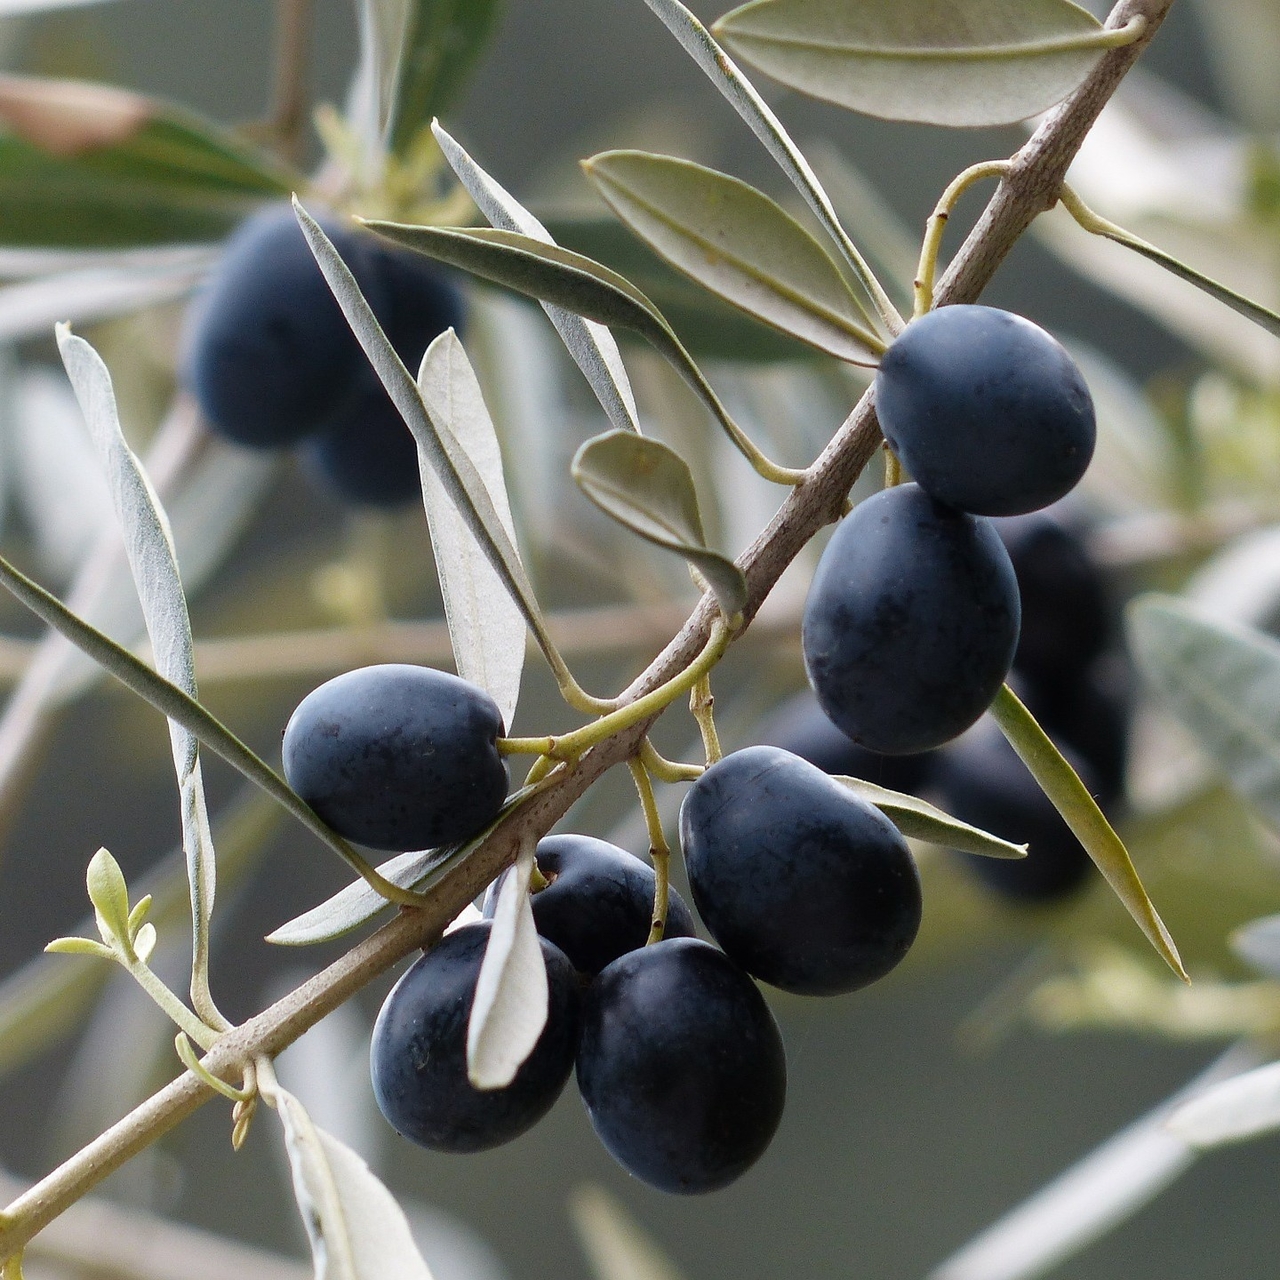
486 626
1059 781
79 947
443 41
1100 226
961 63
153 562
591 345
742 95
740 245
648 487
92 165
176 704
922 821
552 274
1222 682
109 895
429 423
509 1009
705 325
356 1229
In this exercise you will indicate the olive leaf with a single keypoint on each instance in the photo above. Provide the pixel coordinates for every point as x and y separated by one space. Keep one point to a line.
744 98
110 897
1222 682
1232 1110
437 446
591 345
153 562
1106 1187
569 280
922 821
739 244
1061 784
510 1006
486 626
648 487
356 1229
441 43
93 165
1258 944
705 325
960 63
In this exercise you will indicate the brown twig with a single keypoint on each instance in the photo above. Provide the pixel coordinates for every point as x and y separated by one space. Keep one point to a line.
1030 186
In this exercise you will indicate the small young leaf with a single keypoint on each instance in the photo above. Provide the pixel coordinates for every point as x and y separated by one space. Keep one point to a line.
153 562
1232 1110
1059 781
109 895
615 1244
79 947
739 244
647 486
1258 944
145 942
443 41
1223 683
510 1006
743 97
486 625
356 1229
965 63
141 909
591 345
1108 1186
920 820
93 165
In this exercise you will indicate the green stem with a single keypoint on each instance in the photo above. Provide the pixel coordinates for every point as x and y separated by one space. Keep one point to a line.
659 849
937 224
702 706
1059 781
179 706
193 1064
174 1009
525 746
892 469
668 770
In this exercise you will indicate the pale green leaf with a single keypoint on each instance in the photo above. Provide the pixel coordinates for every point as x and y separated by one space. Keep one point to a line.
1222 682
141 909
742 95
145 942
510 1006
648 487
552 274
356 1229
1232 1110
429 424
920 820
79 947
486 625
739 244
443 41
1258 944
109 895
948 62
591 345
615 1244
1094 1195
94 165
1059 781
153 562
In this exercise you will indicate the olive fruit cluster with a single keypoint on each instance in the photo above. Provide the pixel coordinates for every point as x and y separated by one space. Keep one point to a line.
912 620
272 362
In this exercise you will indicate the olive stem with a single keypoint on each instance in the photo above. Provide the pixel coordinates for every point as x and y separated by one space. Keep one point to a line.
668 770
659 849
173 1008
892 469
702 706
937 224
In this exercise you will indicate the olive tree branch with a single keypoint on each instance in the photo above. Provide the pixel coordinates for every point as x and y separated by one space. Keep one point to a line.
1030 185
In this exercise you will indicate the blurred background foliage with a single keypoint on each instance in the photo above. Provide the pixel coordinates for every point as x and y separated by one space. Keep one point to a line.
1013 1040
